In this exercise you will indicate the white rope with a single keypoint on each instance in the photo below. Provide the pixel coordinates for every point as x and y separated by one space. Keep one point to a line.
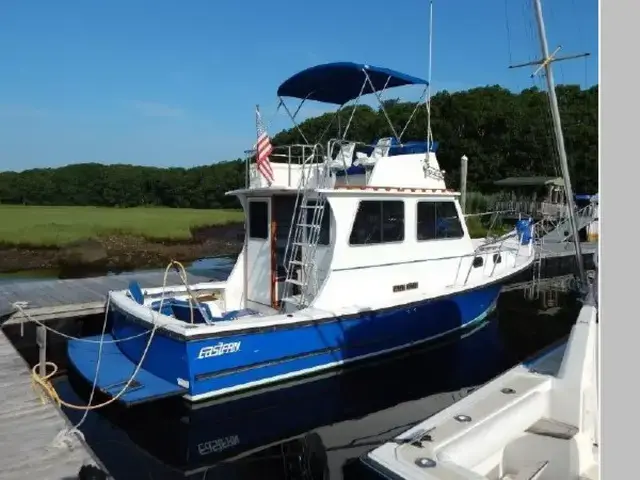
70 437
20 307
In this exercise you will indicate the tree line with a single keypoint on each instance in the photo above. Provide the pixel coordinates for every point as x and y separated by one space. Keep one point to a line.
502 133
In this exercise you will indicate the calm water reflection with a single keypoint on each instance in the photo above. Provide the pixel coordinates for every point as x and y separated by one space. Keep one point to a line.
314 429
214 267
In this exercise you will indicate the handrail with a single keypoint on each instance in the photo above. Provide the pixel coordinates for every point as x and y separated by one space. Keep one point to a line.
295 154
496 214
586 211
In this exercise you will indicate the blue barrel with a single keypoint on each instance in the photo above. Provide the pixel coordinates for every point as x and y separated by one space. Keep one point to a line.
523 227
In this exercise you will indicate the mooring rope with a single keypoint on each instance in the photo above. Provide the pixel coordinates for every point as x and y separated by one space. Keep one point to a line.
20 307
46 389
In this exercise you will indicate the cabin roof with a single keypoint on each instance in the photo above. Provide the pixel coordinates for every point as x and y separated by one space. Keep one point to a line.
263 191
529 181
374 189
364 191
340 82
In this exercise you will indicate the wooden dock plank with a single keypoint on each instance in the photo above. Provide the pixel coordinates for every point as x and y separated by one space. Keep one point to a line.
51 299
28 427
71 292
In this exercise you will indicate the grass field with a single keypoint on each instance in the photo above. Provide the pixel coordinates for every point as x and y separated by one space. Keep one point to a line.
56 226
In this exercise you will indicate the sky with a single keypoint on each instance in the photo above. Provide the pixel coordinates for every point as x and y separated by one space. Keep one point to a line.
175 83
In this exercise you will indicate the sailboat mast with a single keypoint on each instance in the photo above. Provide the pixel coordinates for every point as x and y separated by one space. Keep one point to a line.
557 127
429 136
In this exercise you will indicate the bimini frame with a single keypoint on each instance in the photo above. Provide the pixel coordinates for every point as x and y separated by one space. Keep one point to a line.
339 84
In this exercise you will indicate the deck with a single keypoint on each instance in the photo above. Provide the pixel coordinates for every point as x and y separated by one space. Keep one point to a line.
28 427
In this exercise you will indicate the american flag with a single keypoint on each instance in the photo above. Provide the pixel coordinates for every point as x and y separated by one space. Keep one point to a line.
263 149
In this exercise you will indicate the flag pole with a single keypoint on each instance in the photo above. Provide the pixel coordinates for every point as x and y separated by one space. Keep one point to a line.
255 156
260 129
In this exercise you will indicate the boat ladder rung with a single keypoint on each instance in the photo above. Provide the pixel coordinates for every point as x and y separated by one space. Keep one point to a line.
301 244
297 299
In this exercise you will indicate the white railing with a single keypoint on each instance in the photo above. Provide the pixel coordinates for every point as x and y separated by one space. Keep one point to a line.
544 209
489 250
289 164
547 225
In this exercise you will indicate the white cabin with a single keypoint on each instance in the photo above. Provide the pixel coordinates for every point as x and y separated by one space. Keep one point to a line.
390 229
349 226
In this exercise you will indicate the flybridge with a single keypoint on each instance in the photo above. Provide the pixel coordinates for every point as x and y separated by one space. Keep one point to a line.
391 161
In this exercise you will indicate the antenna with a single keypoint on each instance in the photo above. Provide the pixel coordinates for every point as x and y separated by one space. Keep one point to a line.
429 136
545 64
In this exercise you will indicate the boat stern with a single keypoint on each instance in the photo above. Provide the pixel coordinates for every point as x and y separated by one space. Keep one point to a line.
99 360
135 362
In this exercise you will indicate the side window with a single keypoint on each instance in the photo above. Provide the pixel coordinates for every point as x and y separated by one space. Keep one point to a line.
258 219
438 220
378 222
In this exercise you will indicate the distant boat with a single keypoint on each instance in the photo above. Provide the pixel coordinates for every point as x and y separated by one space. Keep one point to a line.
351 250
593 229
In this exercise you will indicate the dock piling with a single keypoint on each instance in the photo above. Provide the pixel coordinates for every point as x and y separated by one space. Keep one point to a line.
41 341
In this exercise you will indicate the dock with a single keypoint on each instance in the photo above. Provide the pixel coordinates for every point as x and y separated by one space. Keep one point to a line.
46 300
28 427
566 249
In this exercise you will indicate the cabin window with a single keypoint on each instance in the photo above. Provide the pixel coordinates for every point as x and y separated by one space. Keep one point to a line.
438 220
378 221
324 226
258 219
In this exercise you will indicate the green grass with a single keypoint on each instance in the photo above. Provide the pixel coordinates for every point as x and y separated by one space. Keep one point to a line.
479 202
478 229
55 226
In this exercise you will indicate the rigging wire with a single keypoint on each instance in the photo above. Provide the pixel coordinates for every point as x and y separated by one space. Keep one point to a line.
508 29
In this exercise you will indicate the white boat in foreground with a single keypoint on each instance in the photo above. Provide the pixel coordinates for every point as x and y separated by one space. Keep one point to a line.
539 420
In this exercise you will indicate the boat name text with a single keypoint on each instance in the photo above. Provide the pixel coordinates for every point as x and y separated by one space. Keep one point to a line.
218 445
219 349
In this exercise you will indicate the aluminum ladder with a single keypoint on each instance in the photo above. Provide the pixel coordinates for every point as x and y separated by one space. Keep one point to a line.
301 246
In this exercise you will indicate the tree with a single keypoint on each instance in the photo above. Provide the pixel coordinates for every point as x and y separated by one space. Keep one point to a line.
503 133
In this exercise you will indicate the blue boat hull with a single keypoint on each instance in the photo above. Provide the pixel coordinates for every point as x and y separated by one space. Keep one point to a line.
212 366
191 439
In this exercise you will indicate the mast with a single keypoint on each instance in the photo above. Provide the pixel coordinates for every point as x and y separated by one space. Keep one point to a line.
557 127
429 136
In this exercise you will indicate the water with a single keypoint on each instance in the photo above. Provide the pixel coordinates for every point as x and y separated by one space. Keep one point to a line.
314 429
211 266
27 276
319 426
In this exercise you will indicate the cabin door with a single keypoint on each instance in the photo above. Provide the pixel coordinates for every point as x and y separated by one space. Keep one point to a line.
259 251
